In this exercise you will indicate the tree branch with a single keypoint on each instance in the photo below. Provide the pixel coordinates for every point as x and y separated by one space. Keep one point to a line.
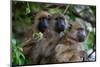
66 9
84 18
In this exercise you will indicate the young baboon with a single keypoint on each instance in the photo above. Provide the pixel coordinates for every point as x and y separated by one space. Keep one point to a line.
69 48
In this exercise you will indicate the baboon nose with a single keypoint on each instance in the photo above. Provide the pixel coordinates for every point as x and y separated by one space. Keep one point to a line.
61 28
81 36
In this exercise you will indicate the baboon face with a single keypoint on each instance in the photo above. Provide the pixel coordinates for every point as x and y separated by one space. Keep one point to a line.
58 23
77 32
41 21
43 24
81 34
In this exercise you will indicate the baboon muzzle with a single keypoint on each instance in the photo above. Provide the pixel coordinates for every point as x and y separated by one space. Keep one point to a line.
43 24
81 36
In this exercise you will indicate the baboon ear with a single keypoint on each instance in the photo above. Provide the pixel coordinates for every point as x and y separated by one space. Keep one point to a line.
70 26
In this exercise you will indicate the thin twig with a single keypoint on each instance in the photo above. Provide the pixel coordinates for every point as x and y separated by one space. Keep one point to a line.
66 9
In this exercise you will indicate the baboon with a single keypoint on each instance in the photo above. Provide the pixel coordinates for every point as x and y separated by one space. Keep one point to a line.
69 48
40 25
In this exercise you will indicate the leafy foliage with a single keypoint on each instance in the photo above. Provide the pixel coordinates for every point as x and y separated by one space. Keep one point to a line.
17 55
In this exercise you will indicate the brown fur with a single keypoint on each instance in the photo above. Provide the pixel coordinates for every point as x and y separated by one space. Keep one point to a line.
44 49
49 50
29 43
69 49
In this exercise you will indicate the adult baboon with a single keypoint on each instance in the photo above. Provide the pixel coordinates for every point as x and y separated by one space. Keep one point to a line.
40 25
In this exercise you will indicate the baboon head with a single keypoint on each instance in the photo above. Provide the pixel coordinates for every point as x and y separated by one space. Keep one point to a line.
58 23
77 32
41 21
